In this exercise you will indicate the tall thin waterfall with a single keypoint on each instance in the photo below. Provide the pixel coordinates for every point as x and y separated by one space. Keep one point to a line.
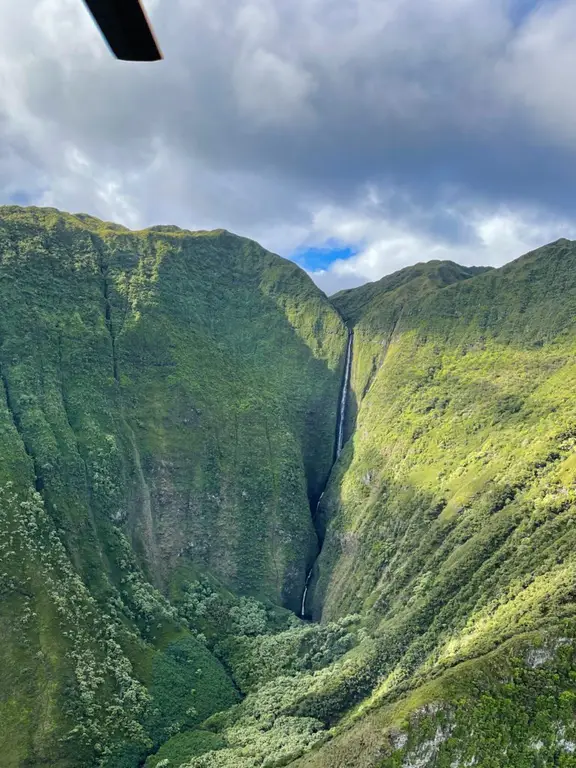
339 445
305 595
344 397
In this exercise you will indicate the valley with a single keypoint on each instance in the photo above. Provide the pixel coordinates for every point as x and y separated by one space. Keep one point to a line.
319 527
244 524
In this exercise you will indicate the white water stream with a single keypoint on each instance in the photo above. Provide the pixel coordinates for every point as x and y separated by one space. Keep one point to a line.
344 397
304 594
339 446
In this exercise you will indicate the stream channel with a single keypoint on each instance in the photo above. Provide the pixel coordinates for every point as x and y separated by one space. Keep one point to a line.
338 445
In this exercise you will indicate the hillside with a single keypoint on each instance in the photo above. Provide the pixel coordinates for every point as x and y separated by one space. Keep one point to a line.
167 411
168 421
451 513
445 582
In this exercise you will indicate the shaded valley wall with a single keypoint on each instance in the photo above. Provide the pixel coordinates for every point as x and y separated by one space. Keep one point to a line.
159 390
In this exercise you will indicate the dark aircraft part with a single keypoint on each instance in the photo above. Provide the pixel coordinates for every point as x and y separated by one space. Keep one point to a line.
126 29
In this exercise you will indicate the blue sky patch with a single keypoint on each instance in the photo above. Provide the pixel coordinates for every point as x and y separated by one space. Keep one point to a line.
519 10
320 257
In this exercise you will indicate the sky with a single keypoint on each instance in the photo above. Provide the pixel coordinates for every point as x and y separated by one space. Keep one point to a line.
355 137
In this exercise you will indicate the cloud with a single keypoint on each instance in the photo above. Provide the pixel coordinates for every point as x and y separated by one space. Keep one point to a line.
485 238
265 116
537 69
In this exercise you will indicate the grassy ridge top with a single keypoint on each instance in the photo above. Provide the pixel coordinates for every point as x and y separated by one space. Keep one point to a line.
410 283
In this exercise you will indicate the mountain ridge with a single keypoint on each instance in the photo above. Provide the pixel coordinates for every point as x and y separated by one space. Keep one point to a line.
131 365
448 518
167 419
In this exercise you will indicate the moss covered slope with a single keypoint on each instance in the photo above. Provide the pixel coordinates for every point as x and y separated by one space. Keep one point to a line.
451 512
167 415
167 408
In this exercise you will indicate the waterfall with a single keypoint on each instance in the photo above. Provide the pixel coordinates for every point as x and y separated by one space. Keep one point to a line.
340 424
303 607
344 397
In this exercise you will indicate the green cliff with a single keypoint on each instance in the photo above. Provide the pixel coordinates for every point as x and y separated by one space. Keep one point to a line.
168 413
167 410
450 516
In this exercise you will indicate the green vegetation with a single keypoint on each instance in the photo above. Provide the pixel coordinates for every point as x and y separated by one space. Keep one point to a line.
156 425
451 512
168 406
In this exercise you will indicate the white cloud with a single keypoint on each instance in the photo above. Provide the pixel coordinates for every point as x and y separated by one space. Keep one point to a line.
271 90
537 73
493 238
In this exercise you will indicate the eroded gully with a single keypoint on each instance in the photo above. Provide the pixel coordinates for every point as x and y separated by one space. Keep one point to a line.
338 445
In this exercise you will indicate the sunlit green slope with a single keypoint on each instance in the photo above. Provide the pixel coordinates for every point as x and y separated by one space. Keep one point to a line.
451 514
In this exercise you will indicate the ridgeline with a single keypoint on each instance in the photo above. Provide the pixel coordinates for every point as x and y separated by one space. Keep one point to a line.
172 406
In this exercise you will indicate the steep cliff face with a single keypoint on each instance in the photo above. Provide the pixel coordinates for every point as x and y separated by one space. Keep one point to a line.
451 513
465 414
168 412
168 404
